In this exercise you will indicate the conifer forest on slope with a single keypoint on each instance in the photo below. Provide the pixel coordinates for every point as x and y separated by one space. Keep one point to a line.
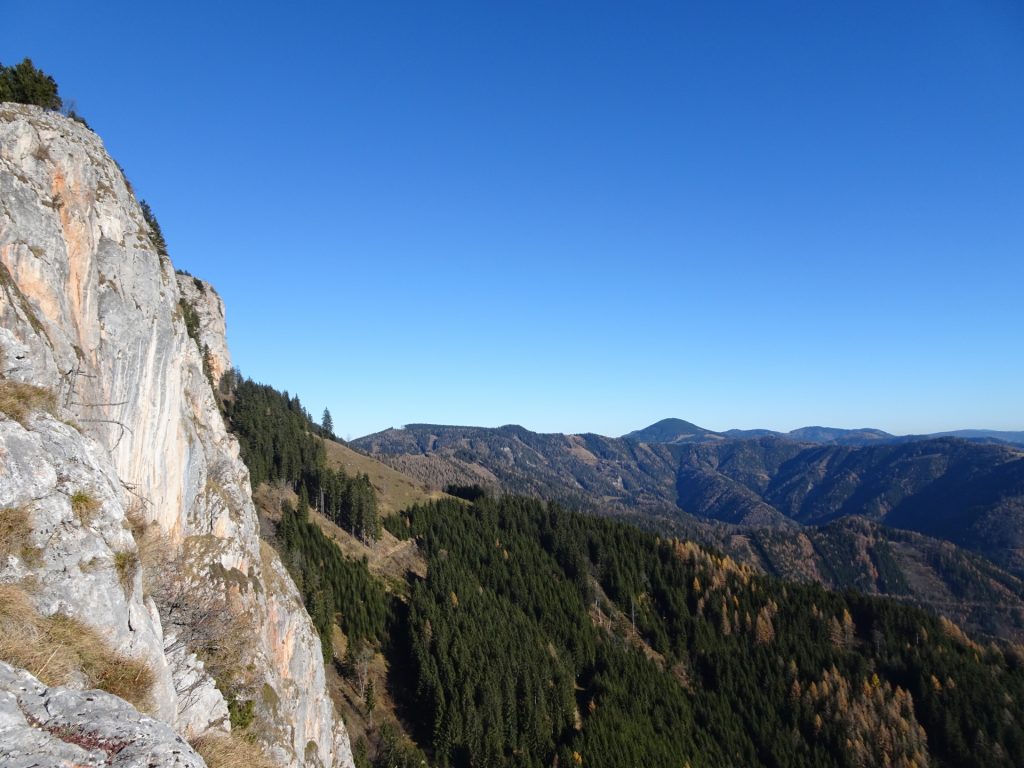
544 636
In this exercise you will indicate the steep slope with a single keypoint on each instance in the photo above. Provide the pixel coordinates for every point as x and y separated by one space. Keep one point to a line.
580 640
969 493
395 491
854 553
92 323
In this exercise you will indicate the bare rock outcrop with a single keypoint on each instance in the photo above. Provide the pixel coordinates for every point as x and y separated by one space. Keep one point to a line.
59 727
91 316
212 323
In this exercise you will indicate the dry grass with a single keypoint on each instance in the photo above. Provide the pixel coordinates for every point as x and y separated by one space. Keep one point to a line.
54 648
154 555
127 564
395 491
228 750
18 400
15 535
154 549
85 506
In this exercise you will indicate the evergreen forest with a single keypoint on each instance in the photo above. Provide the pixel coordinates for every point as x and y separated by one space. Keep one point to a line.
544 636
280 443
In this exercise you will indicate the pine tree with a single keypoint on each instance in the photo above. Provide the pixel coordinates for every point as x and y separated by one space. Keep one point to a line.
370 697
327 423
156 234
25 84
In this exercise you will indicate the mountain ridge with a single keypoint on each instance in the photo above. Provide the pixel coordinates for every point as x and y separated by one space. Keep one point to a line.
673 430
760 484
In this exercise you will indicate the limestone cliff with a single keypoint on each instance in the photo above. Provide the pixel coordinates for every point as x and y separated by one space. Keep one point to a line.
211 324
139 518
43 726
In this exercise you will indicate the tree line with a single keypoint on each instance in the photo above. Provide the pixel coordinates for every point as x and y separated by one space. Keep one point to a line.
335 589
280 442
24 83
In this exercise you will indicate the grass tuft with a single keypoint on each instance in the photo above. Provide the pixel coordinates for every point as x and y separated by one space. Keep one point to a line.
16 535
85 506
55 648
228 750
127 564
18 400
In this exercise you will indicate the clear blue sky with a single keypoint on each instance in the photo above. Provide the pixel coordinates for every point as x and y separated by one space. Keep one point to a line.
582 216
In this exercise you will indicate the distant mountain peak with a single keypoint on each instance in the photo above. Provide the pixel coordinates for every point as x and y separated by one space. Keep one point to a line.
672 431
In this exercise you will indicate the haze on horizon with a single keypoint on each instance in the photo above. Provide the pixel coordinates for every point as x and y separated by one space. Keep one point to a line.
582 219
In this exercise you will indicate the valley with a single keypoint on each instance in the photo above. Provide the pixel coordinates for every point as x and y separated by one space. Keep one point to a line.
908 519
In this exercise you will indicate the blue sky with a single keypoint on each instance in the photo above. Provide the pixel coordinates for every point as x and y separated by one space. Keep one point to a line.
582 216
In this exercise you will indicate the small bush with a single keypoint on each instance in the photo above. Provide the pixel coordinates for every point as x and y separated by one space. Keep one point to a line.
204 624
127 564
242 713
55 648
85 506
18 400
15 535
191 318
156 234
229 750
71 110
151 546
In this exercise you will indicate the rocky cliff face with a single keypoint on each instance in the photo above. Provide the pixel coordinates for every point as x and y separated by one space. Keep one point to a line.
211 324
139 519
42 726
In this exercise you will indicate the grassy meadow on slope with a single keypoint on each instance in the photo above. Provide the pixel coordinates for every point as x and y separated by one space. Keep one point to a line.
395 491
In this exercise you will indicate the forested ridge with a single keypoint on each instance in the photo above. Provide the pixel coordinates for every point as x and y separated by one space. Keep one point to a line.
967 492
524 652
544 636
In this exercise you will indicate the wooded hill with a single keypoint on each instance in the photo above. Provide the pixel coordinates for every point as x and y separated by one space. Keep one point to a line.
772 502
540 635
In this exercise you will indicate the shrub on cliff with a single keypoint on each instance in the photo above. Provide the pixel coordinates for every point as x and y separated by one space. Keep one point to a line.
25 84
155 233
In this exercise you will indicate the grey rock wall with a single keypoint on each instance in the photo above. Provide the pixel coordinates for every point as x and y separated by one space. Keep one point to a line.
209 308
90 311
42 727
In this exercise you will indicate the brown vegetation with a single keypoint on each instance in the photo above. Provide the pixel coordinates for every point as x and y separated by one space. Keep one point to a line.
18 400
228 750
85 506
127 564
54 648
15 534
876 719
